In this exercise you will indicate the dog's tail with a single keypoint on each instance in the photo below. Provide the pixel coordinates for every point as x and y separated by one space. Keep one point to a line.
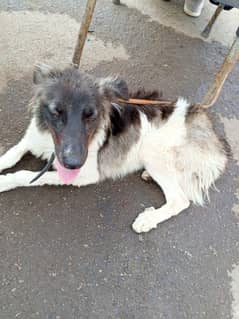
180 112
181 108
175 127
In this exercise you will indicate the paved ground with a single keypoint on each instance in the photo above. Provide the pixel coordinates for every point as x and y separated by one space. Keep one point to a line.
67 253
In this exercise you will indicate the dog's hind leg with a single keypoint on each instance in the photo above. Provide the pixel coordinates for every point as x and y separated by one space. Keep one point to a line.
176 200
145 176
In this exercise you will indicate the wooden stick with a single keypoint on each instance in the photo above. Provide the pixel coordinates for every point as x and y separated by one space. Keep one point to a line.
145 102
90 6
216 86
221 76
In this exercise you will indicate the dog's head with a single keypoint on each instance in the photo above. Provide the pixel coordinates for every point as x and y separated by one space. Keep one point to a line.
70 106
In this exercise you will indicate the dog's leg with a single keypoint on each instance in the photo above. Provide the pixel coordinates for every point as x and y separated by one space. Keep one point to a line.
12 156
23 178
29 143
176 201
158 155
146 177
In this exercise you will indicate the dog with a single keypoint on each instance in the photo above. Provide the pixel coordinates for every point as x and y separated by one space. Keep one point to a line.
96 137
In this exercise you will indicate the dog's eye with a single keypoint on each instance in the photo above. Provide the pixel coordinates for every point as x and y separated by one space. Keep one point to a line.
90 114
57 112
54 112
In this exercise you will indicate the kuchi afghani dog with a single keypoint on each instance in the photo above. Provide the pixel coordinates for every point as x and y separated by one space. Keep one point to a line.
95 137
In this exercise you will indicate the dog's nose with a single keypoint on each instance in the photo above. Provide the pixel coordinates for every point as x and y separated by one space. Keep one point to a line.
71 163
71 158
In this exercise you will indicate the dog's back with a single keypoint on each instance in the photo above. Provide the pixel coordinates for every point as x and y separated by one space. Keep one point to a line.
178 137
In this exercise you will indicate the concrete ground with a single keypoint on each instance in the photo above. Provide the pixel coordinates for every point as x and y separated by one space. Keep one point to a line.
67 253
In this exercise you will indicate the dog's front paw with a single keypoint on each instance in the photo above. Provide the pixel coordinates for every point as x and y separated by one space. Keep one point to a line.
145 221
5 183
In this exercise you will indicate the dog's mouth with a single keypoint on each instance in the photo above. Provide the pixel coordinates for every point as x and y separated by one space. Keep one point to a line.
66 175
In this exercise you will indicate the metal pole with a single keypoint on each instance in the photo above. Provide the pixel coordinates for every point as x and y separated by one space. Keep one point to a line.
90 6
221 76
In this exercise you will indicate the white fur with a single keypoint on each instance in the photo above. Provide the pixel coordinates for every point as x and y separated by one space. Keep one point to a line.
160 150
117 107
157 155
38 143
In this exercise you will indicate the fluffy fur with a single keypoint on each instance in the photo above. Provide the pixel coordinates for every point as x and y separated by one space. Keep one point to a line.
175 145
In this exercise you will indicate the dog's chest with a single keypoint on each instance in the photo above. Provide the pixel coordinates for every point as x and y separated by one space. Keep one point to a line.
115 162
42 142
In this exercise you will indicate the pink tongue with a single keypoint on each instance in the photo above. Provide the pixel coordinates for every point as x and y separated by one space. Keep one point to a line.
66 175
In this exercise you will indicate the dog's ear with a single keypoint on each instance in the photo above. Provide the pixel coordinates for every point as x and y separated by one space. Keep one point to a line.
42 72
112 88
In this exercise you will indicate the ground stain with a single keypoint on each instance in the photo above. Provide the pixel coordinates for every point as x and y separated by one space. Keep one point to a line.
235 291
40 45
